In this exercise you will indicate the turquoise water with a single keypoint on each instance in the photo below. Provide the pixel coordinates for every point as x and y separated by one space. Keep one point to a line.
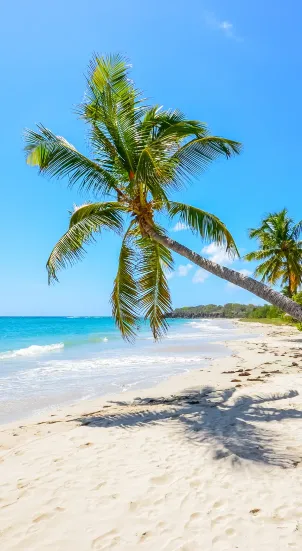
45 362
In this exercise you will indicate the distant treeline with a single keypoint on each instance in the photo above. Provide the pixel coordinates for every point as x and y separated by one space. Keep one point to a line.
230 310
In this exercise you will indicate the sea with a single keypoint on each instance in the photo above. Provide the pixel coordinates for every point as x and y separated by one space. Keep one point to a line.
47 362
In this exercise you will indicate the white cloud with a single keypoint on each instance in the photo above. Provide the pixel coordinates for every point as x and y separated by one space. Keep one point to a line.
181 271
226 27
217 254
184 269
180 227
244 272
200 276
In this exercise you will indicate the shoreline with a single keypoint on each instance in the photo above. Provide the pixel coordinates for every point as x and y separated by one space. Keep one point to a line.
214 453
206 350
192 378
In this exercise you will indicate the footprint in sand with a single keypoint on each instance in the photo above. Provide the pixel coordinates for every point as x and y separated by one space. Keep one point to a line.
195 483
144 536
44 516
184 500
99 486
219 519
47 516
21 484
194 521
86 445
100 544
230 532
217 504
162 479
133 506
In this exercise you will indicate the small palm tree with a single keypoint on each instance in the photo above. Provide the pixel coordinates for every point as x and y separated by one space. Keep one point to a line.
139 155
280 251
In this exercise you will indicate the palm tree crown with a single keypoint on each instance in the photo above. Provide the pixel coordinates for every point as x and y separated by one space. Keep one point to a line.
139 155
280 251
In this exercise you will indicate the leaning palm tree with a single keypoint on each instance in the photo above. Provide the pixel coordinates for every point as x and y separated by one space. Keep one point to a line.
280 251
139 155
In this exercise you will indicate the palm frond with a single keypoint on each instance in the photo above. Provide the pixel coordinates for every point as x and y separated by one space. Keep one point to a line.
59 159
194 156
159 124
152 172
155 300
174 126
84 222
207 225
262 254
125 294
108 213
114 105
162 133
270 270
296 230
109 71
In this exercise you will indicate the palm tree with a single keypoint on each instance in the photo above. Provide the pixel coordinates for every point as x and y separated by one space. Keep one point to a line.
139 155
280 251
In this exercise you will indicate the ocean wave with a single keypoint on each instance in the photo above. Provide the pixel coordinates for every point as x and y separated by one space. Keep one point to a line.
205 325
195 336
102 365
33 350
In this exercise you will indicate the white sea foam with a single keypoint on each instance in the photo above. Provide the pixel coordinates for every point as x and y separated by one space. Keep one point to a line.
122 361
102 365
204 325
33 350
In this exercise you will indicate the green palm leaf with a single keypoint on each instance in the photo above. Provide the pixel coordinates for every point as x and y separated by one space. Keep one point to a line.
160 125
57 158
108 213
152 171
125 294
260 255
84 222
279 252
296 231
270 269
154 290
194 156
207 225
114 105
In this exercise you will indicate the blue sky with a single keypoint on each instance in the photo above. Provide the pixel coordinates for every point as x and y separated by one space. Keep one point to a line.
235 65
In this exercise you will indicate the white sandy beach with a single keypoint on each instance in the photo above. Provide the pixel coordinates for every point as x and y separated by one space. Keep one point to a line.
205 461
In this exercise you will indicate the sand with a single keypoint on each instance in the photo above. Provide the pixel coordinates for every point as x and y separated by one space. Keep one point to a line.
209 460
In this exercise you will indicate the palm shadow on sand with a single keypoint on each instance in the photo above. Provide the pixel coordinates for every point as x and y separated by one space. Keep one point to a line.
239 429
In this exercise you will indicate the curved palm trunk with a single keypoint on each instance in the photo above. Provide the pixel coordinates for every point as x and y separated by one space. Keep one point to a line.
256 287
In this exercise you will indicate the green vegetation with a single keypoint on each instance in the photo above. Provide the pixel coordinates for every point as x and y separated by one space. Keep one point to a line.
245 312
271 314
230 310
269 321
265 312
280 251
